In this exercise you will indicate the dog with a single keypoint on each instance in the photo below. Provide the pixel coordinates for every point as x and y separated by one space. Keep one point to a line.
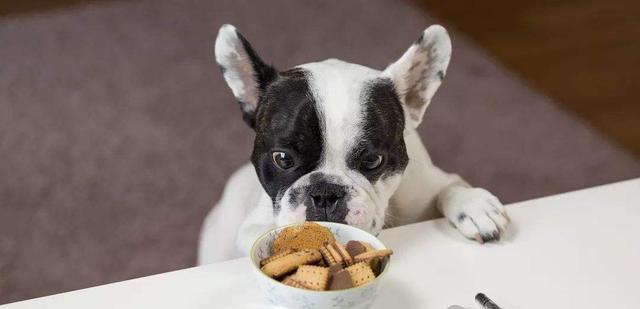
337 141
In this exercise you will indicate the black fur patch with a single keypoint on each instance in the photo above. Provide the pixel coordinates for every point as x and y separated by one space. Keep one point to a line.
297 196
382 132
286 120
222 69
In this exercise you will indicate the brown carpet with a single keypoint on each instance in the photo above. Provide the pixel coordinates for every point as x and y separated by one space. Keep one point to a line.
117 132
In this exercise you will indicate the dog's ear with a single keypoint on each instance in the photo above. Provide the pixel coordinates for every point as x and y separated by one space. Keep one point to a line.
246 74
419 72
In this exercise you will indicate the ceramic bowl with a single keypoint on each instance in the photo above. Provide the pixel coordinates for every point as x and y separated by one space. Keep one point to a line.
282 295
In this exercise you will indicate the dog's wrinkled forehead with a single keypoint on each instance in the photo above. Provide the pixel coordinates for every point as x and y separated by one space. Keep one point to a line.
340 90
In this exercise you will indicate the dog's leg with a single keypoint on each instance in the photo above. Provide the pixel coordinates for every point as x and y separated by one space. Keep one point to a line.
222 227
217 236
424 188
475 212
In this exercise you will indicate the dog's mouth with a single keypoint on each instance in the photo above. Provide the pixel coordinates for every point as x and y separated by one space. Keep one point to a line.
337 200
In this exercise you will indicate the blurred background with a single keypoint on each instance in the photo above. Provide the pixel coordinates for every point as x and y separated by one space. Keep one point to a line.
117 132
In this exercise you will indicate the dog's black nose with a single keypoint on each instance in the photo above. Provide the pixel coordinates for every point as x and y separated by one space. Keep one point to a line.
326 195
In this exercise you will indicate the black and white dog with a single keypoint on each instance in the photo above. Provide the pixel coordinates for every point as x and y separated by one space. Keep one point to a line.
336 141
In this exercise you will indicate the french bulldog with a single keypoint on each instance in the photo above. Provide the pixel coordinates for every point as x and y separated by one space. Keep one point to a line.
337 141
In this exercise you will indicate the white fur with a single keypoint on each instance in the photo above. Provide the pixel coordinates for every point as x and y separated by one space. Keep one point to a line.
337 88
419 72
482 212
231 55
245 210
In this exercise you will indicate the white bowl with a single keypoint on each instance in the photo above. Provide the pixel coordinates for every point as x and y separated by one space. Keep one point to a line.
279 294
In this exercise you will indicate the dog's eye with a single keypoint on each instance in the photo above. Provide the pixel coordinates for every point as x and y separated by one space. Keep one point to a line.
370 162
282 159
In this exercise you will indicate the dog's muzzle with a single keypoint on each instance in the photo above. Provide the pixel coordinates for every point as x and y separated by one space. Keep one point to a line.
327 202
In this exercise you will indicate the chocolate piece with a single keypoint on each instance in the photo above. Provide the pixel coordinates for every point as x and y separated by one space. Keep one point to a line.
376 265
355 247
341 280
335 268
383 264
322 263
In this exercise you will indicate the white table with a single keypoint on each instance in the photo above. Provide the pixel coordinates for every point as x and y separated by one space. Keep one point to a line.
574 250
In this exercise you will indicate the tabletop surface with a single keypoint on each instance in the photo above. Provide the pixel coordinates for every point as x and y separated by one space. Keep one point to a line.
574 250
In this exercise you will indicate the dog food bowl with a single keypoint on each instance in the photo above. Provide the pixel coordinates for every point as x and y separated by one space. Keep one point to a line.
279 294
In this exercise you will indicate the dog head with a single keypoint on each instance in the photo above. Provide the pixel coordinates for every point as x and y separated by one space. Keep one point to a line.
329 143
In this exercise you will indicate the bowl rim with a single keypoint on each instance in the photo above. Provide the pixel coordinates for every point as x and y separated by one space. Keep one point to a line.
256 266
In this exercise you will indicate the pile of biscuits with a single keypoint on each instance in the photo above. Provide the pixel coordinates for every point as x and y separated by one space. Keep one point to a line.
307 256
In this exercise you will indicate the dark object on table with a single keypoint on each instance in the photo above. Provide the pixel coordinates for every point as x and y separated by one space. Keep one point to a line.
486 302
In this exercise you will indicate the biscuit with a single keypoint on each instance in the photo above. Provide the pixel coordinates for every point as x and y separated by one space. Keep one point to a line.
291 281
336 255
308 235
362 257
290 262
348 260
313 277
375 259
341 280
307 256
328 257
367 246
276 256
360 273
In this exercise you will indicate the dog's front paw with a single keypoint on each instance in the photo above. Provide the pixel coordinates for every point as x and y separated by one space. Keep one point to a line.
475 212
